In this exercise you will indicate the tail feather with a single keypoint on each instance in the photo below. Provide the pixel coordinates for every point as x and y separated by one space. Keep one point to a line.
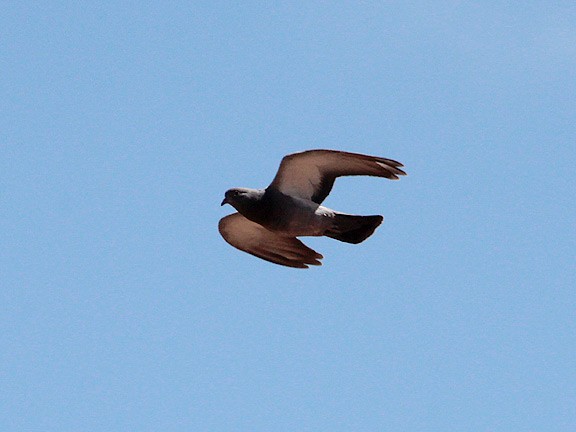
353 229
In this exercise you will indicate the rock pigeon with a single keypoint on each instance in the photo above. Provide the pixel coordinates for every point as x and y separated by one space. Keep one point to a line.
269 220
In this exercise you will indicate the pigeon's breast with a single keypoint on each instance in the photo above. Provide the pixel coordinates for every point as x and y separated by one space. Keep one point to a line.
294 216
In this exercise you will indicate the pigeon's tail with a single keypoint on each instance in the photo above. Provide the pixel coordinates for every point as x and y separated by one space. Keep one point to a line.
353 229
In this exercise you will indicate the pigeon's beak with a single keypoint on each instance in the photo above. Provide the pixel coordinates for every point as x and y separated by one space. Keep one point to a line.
224 201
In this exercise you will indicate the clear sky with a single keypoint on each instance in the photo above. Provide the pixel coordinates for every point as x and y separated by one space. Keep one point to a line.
123 123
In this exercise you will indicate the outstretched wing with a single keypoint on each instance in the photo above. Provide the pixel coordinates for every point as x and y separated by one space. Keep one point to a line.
311 174
253 238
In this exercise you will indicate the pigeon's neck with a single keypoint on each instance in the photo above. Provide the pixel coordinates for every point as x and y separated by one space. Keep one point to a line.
252 206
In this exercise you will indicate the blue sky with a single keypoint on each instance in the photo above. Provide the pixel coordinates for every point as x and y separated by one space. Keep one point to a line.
123 123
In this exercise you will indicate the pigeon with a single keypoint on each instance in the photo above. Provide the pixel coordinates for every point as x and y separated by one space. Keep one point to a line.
268 221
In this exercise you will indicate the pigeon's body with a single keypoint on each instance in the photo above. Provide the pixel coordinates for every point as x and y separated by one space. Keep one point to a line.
269 220
290 215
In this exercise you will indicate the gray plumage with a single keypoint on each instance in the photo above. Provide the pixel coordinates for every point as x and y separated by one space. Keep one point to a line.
269 220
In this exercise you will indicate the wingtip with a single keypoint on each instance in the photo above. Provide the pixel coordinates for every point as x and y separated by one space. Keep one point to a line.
308 264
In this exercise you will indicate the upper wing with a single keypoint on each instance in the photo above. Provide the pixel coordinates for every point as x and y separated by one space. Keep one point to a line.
253 238
311 174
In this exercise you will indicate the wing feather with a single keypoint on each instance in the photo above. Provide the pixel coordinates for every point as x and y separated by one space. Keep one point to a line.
311 174
254 239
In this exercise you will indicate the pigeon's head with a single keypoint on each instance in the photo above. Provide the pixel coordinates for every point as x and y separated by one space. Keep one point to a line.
242 198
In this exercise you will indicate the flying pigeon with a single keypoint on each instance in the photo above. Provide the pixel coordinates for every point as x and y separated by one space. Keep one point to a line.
269 220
